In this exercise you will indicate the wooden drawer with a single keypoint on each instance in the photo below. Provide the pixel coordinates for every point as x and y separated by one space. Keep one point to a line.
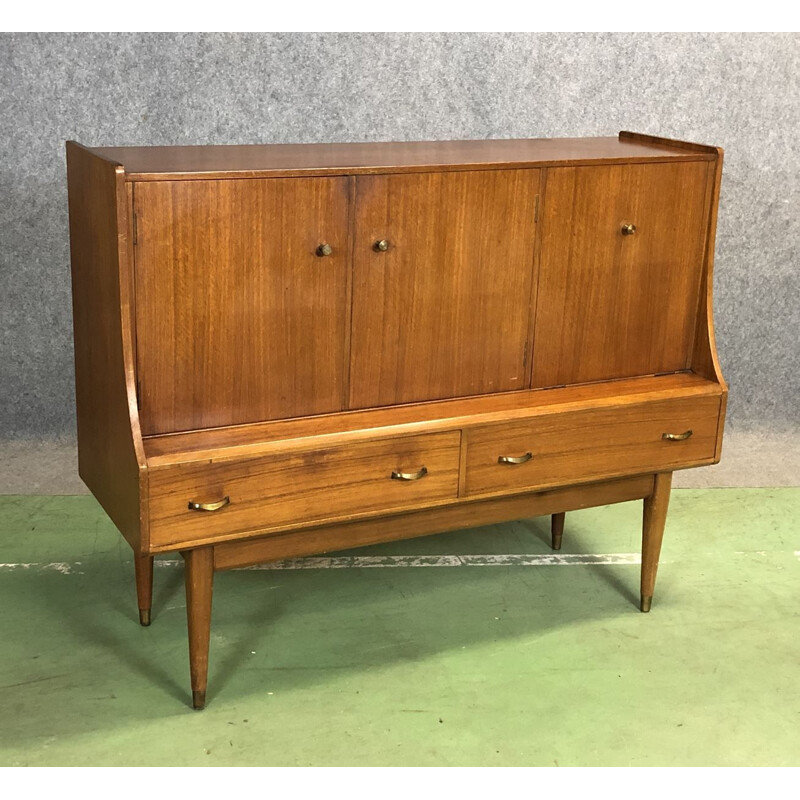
580 446
280 491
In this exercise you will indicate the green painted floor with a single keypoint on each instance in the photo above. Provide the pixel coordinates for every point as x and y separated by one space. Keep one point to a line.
458 665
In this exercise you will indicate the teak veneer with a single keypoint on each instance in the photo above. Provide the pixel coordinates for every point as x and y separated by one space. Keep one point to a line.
283 350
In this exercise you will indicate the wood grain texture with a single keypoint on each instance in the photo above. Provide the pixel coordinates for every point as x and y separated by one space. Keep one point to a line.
238 318
660 141
705 360
330 538
277 492
610 305
143 568
283 160
654 519
557 530
111 457
327 430
723 409
444 312
199 577
586 445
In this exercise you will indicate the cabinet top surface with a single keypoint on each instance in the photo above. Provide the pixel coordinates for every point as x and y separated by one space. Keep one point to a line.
208 161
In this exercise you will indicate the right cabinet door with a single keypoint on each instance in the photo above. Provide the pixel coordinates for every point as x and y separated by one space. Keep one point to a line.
619 276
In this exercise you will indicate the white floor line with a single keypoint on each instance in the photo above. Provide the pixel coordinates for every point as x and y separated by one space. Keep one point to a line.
360 562
366 562
56 566
510 560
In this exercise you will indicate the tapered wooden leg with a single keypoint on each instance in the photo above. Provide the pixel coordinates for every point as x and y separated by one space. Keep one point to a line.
199 586
143 565
557 529
655 516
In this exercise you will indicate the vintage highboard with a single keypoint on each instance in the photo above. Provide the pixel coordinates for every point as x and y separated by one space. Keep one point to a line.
283 350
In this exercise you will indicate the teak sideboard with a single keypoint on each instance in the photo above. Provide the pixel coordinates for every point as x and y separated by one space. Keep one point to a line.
283 350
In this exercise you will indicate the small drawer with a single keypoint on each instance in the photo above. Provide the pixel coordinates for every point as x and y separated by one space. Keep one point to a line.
581 446
281 491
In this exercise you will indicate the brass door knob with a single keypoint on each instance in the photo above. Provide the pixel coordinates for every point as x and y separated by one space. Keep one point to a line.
628 229
382 245
324 250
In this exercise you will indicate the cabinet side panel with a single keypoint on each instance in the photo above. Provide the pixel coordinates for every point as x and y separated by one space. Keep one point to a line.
705 361
110 452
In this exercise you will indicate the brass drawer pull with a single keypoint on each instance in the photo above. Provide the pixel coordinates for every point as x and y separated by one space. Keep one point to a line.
381 246
324 250
410 476
676 437
210 506
515 459
628 229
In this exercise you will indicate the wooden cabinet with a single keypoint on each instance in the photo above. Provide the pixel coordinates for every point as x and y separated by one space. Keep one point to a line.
292 349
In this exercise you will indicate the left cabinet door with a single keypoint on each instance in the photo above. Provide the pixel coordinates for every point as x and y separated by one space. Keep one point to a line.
241 310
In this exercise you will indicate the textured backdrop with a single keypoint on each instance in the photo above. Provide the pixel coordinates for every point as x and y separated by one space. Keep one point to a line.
738 91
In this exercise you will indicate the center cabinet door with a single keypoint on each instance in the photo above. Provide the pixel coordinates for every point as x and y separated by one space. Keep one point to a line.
444 309
238 317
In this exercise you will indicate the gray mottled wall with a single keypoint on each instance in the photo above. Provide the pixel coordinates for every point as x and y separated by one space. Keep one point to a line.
738 91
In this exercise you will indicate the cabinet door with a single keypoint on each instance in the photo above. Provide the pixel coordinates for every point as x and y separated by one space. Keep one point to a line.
238 318
612 305
445 310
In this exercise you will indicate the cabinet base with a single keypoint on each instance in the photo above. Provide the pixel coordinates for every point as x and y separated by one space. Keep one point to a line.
202 562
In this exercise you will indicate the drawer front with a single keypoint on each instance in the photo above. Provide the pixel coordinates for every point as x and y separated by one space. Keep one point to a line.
284 490
590 444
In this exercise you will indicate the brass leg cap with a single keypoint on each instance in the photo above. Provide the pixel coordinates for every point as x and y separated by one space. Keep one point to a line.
198 700
144 616
646 603
557 541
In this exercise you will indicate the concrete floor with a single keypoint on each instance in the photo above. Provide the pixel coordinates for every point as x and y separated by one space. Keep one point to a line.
528 663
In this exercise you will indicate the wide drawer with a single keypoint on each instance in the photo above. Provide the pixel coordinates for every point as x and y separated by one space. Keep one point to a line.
584 445
283 490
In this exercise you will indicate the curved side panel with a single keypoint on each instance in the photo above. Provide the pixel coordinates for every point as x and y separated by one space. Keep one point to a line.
111 458
705 360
